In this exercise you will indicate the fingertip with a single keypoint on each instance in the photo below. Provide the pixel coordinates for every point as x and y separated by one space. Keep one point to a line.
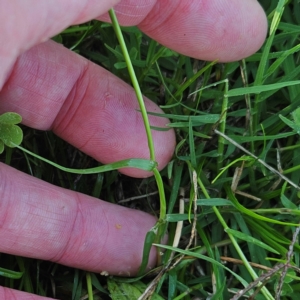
246 32
74 229
130 13
209 30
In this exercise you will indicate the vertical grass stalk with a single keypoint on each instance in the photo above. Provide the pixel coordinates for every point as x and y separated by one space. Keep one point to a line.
140 99
264 290
134 81
89 286
249 115
221 140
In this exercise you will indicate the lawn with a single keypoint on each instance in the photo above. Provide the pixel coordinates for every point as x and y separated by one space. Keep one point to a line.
230 196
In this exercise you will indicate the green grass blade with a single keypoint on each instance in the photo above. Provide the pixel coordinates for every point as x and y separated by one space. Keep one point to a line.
138 163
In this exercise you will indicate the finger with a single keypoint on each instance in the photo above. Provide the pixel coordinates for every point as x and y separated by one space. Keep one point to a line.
85 105
224 30
10 294
202 29
27 23
50 223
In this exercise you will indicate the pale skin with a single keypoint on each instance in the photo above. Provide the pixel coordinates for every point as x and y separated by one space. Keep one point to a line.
55 89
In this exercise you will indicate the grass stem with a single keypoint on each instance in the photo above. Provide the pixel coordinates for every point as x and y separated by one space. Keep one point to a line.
265 291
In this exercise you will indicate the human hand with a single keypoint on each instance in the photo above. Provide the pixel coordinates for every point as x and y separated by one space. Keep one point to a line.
55 89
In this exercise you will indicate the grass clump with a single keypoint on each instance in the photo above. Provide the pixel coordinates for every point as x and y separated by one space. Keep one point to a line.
230 196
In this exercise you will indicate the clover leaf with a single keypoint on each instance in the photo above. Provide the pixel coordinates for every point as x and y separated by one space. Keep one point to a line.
11 134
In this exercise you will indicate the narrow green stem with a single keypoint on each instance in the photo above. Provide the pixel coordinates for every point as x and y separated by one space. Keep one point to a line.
140 99
249 116
291 170
290 148
221 141
160 185
277 211
139 163
89 286
234 242
190 290
134 81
